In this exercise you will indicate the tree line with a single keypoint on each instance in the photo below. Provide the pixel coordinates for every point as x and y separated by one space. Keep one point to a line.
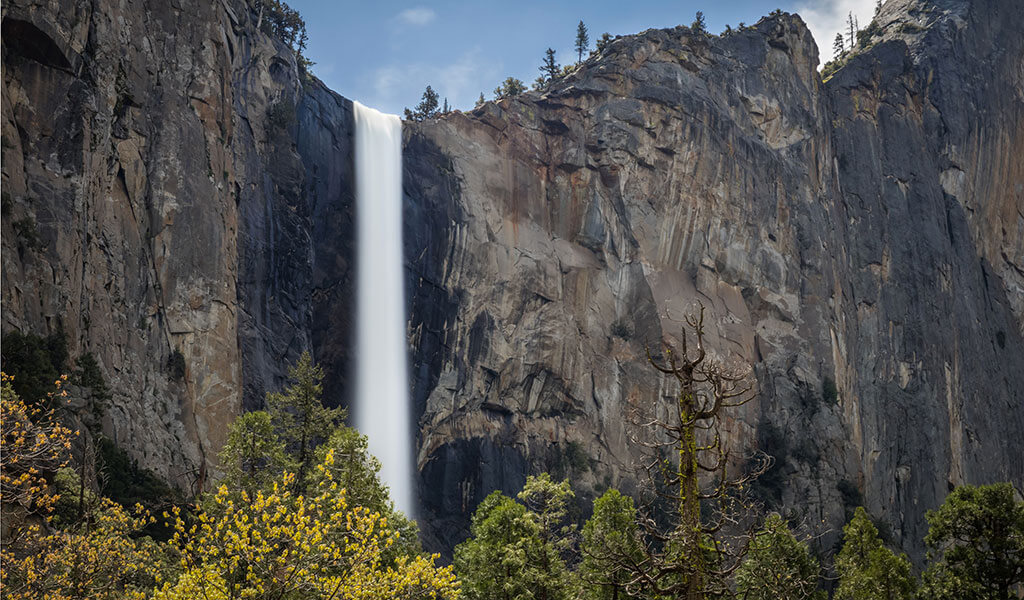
299 511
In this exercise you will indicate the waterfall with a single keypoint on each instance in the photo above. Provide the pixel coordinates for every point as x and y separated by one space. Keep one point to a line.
381 404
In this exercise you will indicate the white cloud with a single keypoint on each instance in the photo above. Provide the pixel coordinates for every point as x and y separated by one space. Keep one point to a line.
416 17
825 18
396 86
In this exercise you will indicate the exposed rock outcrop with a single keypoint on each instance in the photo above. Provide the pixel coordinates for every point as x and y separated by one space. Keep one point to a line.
859 245
862 236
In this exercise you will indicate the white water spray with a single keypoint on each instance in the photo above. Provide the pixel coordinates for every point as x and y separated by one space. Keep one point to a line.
381 402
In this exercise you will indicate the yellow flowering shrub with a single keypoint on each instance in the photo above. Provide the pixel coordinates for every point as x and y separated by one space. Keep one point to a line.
99 558
33 444
279 544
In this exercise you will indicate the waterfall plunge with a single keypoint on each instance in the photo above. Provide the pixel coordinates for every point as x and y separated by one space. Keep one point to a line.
382 393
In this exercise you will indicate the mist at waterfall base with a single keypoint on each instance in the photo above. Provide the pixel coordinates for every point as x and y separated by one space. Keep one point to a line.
381 407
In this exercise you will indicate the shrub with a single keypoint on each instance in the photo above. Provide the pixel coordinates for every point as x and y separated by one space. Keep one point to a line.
621 329
829 392
281 114
34 363
176 364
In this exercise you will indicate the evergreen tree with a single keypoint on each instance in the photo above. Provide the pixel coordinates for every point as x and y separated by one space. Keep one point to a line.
976 543
582 41
867 569
300 416
427 108
358 472
603 41
253 455
778 566
480 101
510 88
497 560
699 25
610 536
837 45
852 30
549 69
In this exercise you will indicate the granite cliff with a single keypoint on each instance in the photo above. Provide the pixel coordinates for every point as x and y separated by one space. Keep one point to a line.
858 244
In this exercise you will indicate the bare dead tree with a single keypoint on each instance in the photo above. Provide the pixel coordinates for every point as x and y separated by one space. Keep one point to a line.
695 526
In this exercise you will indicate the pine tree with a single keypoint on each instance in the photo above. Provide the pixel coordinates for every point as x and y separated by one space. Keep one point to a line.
550 69
582 41
778 566
427 108
603 41
837 45
253 455
497 559
867 569
976 543
699 25
480 101
510 88
300 416
852 28
611 535
446 108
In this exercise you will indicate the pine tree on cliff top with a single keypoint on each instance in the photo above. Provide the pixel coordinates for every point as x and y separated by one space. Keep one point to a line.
582 41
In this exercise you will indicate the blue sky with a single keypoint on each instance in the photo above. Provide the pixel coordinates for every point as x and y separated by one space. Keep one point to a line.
385 53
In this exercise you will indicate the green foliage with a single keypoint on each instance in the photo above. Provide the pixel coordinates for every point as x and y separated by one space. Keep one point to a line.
34 362
253 455
866 36
507 556
300 417
699 25
838 46
582 41
829 392
284 23
176 365
427 108
73 499
976 542
603 41
510 88
867 569
480 101
620 328
548 504
910 28
358 472
609 536
122 480
576 457
89 375
778 566
550 69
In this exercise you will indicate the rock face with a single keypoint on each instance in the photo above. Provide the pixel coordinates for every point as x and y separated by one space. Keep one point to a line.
169 158
858 245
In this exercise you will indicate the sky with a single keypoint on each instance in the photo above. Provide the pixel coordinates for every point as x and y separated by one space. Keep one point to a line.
385 53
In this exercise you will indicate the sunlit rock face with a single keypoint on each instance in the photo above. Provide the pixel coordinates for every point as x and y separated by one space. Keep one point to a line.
193 192
865 232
